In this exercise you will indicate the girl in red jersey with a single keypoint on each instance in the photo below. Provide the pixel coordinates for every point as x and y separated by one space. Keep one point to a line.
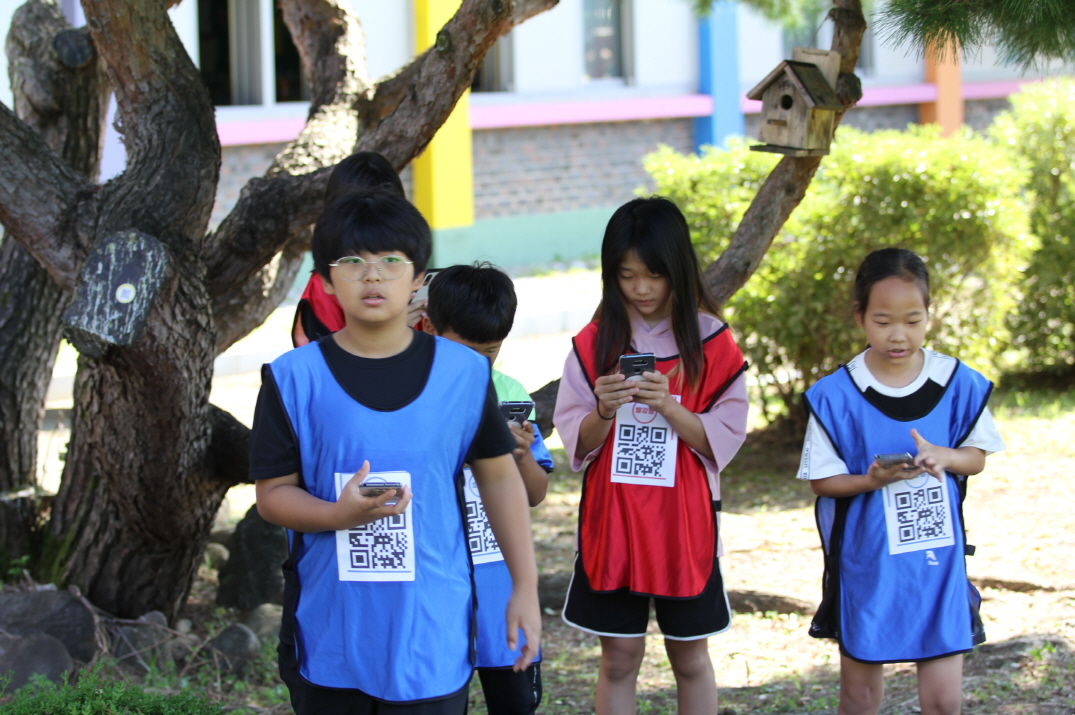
652 450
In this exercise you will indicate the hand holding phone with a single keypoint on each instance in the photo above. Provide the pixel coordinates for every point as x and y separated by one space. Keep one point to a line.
633 365
887 461
423 292
375 488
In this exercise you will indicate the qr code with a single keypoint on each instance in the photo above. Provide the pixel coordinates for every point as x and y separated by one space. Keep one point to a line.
921 514
641 449
479 534
380 545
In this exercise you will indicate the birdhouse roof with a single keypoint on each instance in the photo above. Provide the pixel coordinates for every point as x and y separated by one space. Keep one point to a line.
808 79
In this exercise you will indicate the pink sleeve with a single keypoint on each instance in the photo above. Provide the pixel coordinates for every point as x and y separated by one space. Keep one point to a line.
726 425
574 400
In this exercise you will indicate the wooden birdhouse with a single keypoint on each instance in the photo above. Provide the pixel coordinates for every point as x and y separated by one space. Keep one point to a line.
799 104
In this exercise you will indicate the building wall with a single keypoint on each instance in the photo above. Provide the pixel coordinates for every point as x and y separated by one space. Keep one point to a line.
534 170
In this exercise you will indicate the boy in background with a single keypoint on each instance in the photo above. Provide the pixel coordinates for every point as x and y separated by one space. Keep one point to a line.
475 306
378 598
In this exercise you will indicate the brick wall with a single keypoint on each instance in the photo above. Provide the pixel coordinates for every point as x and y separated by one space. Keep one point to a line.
571 167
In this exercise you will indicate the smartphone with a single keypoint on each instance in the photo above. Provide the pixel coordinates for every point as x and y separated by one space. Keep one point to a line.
891 460
377 488
423 291
517 412
632 366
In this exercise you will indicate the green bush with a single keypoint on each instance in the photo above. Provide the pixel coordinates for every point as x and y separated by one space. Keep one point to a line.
953 201
1040 132
92 696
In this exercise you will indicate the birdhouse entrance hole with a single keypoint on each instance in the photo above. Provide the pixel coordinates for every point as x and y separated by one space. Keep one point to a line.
786 101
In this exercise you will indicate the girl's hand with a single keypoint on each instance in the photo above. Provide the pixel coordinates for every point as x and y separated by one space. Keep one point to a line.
653 391
883 476
611 392
933 458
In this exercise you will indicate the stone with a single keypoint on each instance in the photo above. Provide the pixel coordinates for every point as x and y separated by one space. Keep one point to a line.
35 654
237 646
143 645
59 614
252 574
216 555
265 621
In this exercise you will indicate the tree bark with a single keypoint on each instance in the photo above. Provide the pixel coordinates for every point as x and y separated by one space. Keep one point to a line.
66 106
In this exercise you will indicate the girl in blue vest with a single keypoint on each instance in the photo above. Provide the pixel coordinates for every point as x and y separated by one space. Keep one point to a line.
652 451
895 585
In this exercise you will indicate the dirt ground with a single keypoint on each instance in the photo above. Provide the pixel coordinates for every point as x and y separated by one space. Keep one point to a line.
1018 516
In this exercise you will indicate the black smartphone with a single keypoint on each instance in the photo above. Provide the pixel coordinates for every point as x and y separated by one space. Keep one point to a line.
423 291
377 488
891 460
632 366
518 412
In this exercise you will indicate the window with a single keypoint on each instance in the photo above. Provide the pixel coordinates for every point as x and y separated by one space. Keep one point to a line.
232 36
496 72
603 23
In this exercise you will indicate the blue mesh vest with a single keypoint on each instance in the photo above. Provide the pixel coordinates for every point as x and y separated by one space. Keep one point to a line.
396 640
882 606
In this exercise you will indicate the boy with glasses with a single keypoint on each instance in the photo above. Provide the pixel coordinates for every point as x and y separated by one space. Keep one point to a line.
378 604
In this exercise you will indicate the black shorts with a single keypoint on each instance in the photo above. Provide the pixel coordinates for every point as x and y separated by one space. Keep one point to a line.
309 699
626 615
510 693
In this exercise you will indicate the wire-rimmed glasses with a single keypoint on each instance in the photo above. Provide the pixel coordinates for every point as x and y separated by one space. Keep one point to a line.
353 268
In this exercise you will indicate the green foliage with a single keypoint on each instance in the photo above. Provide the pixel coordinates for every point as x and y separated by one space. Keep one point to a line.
1040 132
1025 32
953 201
93 696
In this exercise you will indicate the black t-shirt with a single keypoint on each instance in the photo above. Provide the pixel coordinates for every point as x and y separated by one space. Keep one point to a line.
384 384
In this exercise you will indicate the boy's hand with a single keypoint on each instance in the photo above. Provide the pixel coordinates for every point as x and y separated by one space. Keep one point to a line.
353 509
524 614
612 391
883 476
524 437
415 312
653 391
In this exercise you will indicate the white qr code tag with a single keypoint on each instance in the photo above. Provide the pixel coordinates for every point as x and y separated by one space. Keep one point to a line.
480 539
382 550
918 515
644 449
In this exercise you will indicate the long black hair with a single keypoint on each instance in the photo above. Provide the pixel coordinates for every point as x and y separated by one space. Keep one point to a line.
654 228
886 263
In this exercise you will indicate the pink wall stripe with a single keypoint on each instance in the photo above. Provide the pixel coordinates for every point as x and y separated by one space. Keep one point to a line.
497 116
259 131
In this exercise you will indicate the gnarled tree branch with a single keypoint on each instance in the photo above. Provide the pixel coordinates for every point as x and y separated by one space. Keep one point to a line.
786 185
42 200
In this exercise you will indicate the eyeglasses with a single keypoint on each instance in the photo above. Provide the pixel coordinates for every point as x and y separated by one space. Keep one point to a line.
353 268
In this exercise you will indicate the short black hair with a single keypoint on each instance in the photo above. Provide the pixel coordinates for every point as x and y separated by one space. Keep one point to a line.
362 170
477 302
372 221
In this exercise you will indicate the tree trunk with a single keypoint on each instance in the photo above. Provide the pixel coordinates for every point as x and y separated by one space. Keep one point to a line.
66 106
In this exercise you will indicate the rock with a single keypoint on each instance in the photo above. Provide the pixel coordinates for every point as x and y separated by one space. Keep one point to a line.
59 614
252 574
216 555
143 646
237 645
265 621
35 654
222 536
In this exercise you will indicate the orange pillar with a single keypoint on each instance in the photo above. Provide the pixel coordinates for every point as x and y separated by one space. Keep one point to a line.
942 70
